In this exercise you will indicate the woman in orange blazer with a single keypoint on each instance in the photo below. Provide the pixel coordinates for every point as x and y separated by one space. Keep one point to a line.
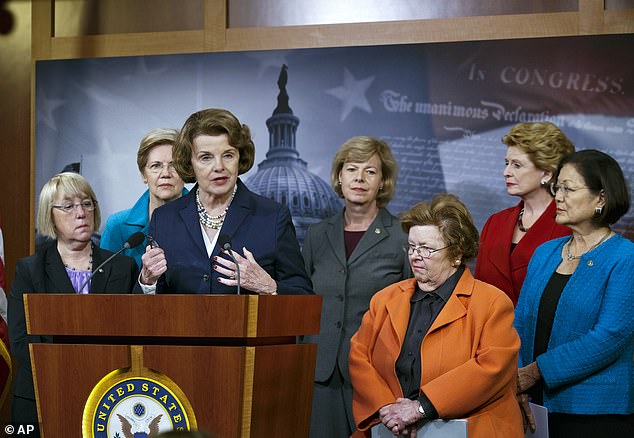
510 236
441 345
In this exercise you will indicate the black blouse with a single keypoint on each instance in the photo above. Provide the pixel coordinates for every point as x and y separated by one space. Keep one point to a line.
545 317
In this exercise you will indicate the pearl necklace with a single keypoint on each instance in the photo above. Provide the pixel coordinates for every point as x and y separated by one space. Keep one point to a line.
214 222
570 257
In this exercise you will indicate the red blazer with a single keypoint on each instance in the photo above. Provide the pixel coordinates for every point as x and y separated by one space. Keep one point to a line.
469 358
504 269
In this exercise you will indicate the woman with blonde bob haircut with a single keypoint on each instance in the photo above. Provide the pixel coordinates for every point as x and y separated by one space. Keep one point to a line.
66 185
360 149
349 257
154 159
510 236
68 214
440 345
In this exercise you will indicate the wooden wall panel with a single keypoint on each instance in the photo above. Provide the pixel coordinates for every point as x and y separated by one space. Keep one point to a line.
618 21
95 17
403 32
156 43
591 18
215 25
15 141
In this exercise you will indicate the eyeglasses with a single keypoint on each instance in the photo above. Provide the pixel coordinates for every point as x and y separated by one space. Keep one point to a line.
421 250
157 167
86 205
565 190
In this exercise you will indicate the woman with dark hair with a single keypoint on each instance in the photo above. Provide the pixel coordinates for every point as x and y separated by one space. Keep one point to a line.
213 148
440 345
575 315
349 257
509 237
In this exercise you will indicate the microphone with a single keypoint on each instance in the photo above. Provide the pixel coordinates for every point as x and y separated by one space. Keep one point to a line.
133 241
224 242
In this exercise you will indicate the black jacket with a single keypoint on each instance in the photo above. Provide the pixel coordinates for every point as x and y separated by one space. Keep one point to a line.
44 272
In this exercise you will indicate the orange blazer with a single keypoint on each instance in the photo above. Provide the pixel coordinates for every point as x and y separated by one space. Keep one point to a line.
504 269
469 358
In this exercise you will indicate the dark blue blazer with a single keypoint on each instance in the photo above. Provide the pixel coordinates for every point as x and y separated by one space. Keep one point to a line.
263 226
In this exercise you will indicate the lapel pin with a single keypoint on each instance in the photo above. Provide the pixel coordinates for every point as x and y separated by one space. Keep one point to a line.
100 269
377 231
590 263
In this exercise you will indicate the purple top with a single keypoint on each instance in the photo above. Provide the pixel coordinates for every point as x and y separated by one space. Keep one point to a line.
77 278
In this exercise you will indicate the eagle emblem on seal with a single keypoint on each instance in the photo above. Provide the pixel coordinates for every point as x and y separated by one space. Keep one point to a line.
146 429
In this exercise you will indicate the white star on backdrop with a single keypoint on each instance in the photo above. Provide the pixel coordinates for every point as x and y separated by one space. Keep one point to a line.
100 95
45 110
352 93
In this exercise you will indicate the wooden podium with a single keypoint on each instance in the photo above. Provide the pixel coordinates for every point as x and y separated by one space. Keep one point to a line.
235 357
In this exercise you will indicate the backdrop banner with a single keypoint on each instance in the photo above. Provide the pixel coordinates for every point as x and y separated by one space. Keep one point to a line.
443 108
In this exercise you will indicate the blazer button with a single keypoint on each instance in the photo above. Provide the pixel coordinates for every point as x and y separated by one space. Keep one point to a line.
205 277
338 324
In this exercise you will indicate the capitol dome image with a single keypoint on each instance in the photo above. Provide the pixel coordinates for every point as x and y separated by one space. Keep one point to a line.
284 177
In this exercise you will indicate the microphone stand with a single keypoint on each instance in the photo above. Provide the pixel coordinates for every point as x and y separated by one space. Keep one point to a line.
99 267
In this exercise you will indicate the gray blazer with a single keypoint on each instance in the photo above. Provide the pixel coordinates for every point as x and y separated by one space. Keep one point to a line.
347 285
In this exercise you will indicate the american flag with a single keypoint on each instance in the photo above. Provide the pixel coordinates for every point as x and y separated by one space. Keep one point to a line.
5 358
3 279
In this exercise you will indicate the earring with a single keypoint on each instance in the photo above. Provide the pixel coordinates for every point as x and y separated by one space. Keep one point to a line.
380 187
457 263
339 182
543 183
598 211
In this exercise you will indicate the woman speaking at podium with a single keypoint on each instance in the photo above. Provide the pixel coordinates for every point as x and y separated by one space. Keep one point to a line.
68 213
185 254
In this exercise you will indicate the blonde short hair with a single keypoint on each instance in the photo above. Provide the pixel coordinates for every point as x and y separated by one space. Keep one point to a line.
453 220
544 143
152 139
68 184
359 149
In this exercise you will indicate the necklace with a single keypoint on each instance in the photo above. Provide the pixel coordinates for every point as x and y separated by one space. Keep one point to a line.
571 257
214 222
74 268
520 225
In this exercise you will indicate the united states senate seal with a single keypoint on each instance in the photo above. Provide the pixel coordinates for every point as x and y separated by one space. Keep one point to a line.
125 405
